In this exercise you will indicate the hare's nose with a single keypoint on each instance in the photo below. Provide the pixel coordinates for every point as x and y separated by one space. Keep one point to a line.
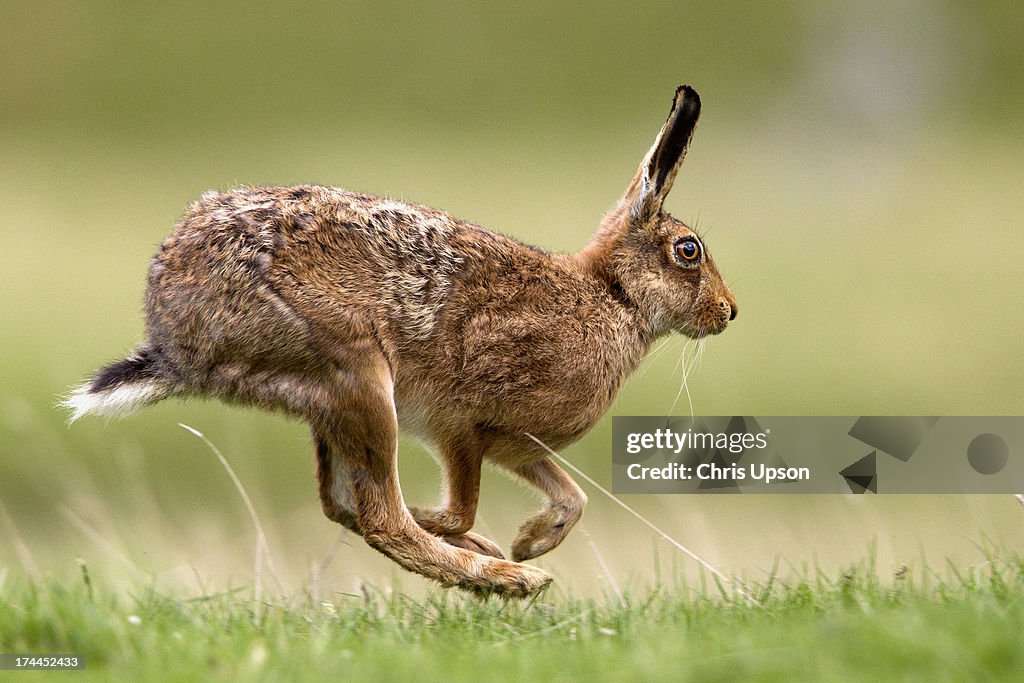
728 304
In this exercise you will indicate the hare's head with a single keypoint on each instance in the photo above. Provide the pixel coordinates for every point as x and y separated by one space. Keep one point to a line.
657 260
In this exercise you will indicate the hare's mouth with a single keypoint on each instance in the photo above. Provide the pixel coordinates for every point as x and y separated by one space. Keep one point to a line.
705 328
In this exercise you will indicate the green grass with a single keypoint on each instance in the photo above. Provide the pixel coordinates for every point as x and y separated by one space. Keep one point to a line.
960 625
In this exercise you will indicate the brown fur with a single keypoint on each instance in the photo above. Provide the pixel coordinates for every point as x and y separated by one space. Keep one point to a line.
358 314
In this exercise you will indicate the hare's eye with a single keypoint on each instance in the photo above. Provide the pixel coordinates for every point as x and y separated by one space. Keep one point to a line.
688 250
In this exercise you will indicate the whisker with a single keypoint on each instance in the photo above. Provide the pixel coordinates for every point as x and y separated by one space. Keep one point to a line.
683 384
689 359
738 278
653 355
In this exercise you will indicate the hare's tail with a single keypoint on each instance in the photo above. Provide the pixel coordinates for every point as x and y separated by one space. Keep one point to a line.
121 387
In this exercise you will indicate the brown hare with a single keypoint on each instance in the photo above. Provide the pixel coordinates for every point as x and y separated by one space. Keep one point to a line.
360 315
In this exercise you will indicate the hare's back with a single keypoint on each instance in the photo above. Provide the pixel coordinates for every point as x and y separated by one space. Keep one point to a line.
209 301
258 273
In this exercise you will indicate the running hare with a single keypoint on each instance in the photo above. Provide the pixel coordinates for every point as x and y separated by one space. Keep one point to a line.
359 314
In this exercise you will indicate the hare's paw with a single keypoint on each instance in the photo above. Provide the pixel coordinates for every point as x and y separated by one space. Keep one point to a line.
544 531
509 580
475 543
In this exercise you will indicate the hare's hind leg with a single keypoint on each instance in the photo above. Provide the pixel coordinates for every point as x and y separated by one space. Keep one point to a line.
548 527
361 435
450 524
339 506
335 489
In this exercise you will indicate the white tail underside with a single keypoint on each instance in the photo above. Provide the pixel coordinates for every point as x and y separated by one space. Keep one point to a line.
115 401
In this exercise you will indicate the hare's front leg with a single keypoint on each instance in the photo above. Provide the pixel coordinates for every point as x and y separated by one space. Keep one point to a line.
360 435
548 527
461 458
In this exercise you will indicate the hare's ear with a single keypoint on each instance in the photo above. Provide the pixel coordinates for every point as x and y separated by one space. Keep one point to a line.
658 170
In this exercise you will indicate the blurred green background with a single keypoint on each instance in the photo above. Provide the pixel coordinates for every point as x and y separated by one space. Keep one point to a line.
857 174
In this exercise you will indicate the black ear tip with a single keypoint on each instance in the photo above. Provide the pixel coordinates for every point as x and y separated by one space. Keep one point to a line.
687 98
